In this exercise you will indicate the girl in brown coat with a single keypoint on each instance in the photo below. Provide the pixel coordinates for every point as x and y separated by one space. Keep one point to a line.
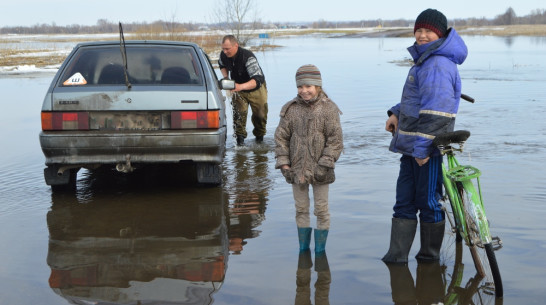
309 141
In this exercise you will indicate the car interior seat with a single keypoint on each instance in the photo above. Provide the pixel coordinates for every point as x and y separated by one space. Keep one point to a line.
112 74
175 75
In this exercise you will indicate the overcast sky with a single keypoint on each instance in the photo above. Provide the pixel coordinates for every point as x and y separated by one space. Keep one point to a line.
67 12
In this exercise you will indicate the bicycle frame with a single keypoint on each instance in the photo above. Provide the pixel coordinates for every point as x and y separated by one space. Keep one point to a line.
466 202
453 173
469 221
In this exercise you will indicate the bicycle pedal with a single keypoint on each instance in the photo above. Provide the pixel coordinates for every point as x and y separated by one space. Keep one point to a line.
496 242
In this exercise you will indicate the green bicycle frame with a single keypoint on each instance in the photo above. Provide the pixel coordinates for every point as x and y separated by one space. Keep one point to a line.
453 173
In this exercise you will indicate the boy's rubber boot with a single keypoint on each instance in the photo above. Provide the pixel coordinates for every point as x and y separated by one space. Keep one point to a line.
402 285
320 241
402 234
304 236
432 235
430 283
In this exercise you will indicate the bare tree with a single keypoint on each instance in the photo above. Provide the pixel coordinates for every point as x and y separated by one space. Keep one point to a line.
508 18
238 16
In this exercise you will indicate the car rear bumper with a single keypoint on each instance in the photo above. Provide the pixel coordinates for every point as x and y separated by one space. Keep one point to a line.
88 148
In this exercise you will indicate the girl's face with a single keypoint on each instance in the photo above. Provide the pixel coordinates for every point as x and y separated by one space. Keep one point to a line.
423 36
307 92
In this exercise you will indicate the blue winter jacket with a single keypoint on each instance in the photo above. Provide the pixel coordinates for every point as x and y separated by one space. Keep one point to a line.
431 94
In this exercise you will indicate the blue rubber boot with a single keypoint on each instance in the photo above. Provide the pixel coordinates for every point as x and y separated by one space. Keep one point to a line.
304 236
320 241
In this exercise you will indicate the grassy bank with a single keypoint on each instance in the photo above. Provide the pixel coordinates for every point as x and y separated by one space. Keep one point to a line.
210 42
506 30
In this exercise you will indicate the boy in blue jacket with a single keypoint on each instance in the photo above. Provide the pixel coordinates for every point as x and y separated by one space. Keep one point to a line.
429 104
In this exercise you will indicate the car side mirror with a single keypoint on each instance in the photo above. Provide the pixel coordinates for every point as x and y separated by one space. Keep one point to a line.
227 84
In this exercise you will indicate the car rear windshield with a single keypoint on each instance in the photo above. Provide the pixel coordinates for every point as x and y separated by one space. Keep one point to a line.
146 65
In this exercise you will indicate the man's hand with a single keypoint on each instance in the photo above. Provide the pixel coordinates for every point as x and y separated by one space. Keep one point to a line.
392 124
238 87
251 84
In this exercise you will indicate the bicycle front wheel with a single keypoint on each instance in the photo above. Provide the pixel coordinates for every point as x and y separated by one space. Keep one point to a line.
483 254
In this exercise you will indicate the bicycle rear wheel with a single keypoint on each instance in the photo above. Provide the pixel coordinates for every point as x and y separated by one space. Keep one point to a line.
483 254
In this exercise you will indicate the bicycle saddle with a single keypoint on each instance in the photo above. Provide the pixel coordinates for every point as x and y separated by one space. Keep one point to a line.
451 137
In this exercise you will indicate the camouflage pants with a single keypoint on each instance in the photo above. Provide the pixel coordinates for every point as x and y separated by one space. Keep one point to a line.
258 103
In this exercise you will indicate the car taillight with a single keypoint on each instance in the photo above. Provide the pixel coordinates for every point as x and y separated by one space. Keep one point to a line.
65 121
195 119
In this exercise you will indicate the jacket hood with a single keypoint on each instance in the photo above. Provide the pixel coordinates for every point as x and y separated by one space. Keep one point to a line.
452 47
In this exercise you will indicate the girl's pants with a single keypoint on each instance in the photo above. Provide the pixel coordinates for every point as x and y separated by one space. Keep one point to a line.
419 189
320 196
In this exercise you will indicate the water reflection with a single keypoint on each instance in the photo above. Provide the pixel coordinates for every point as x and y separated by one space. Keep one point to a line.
436 285
125 245
538 40
248 182
303 279
429 288
509 41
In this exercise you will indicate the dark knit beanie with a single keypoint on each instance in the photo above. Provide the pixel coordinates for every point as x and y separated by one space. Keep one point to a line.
433 20
308 75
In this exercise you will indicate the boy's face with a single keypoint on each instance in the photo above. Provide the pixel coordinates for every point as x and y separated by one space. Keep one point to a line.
307 92
423 36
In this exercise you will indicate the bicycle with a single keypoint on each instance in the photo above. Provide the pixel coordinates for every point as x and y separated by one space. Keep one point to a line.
467 218
471 293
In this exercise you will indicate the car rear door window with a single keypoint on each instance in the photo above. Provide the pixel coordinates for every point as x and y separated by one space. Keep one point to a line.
146 65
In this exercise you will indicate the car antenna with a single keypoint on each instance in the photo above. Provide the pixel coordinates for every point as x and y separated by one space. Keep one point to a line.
124 55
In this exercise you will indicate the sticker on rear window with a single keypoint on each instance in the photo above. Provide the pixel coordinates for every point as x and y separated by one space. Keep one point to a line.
76 79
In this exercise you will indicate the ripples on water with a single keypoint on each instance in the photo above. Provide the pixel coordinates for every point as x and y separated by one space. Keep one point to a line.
250 218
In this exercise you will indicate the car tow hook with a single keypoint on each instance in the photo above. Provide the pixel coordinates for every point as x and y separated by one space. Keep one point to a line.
125 167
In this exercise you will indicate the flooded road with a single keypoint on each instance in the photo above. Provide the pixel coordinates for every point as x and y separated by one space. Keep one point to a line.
152 238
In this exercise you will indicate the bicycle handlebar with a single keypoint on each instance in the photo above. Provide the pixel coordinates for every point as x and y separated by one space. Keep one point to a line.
467 98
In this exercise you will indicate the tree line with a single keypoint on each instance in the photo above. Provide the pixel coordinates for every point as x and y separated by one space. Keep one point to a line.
537 16
509 17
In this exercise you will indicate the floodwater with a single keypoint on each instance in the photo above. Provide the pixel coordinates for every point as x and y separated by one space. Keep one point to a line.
151 239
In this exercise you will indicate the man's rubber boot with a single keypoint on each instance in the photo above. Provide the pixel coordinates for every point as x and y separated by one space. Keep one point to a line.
432 235
402 234
304 236
320 241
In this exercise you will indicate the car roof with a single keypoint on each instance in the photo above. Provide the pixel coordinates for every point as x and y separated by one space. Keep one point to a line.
135 42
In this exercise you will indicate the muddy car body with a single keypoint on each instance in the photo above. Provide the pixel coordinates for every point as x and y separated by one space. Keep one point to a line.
133 104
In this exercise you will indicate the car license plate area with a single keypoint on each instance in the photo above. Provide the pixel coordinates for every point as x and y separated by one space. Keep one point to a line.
125 121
